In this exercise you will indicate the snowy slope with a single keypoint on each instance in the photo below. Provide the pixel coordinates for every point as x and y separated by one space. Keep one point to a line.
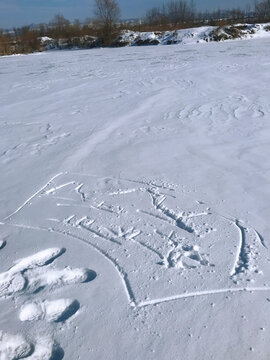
135 203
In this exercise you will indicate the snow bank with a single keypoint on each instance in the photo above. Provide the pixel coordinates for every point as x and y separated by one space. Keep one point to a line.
194 35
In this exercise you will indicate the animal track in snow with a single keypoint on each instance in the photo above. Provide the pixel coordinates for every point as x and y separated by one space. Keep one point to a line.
51 311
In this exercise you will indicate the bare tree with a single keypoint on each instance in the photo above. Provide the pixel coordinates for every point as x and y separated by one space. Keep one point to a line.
107 13
60 26
180 11
176 11
156 16
59 21
262 10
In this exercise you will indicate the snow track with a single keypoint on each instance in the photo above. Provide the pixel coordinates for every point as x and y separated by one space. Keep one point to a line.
193 227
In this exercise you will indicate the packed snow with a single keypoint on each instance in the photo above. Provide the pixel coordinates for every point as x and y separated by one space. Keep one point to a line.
135 203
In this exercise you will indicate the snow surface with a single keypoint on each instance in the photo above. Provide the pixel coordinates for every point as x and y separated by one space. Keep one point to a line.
135 203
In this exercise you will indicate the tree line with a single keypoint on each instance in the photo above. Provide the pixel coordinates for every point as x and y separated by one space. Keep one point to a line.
182 11
106 24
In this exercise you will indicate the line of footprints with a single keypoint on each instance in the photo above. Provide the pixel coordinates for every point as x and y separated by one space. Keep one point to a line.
31 275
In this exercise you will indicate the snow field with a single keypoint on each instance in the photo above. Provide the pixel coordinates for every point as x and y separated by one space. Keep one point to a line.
145 170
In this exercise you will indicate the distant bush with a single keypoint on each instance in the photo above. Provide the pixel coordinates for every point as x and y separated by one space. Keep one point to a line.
27 41
5 44
21 41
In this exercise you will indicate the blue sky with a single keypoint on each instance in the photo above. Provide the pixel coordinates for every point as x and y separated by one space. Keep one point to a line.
22 12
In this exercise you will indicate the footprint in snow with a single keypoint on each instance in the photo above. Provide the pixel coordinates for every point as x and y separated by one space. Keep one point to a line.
31 275
28 275
15 347
51 311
